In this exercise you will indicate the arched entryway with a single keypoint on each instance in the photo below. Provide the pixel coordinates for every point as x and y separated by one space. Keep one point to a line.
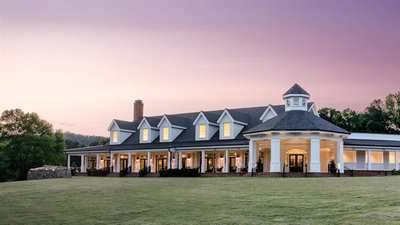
296 160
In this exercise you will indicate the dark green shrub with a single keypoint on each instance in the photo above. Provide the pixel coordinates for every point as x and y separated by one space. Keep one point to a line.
97 173
184 172
142 172
395 172
332 166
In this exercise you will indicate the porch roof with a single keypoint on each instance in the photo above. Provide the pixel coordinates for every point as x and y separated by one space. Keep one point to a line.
375 143
159 145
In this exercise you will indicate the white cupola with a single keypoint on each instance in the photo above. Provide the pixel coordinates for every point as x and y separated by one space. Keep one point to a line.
296 98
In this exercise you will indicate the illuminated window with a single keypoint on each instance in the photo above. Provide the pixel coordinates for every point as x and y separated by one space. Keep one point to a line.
392 157
202 131
115 136
145 134
376 157
349 156
165 135
296 101
227 129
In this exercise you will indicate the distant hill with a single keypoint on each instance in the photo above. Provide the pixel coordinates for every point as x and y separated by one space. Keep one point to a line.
79 140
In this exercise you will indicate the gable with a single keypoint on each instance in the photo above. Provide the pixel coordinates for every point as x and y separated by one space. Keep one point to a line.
269 113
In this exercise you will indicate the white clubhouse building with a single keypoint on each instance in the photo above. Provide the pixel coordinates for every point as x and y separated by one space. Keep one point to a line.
268 139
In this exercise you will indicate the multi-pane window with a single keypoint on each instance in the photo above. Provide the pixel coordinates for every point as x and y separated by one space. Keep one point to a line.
165 135
115 136
349 156
227 129
145 134
202 131
296 101
376 157
392 157
303 101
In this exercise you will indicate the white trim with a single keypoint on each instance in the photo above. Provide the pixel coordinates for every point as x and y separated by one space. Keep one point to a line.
304 133
119 129
373 148
314 108
201 114
296 95
162 119
230 117
269 108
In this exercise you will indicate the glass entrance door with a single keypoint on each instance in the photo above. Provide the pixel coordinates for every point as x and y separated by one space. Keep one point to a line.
162 164
124 164
296 163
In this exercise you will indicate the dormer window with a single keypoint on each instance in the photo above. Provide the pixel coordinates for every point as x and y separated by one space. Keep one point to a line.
145 134
304 101
165 135
227 129
287 102
202 131
115 136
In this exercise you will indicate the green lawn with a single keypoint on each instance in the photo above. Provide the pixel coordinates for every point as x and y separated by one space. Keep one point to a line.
240 200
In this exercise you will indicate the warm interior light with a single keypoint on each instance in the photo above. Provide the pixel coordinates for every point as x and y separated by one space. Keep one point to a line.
227 129
202 131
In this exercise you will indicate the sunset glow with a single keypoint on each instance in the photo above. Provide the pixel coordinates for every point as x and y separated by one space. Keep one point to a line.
80 64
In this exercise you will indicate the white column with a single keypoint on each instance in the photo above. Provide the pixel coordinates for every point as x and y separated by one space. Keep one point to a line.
275 155
82 163
86 162
129 162
369 160
315 164
97 161
118 163
111 163
227 161
252 146
396 158
69 161
180 160
176 160
148 162
202 161
340 164
169 160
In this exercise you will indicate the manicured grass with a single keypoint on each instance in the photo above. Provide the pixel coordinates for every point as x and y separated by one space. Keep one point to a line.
240 200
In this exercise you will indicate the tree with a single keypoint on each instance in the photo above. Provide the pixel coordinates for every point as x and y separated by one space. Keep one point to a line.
379 117
27 142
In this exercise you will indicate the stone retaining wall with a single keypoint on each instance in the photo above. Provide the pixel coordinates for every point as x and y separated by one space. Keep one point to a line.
47 172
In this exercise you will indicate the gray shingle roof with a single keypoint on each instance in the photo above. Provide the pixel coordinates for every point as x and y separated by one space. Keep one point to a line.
297 120
126 125
380 143
296 89
250 116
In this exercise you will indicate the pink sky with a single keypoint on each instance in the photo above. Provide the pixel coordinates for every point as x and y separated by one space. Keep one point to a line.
79 64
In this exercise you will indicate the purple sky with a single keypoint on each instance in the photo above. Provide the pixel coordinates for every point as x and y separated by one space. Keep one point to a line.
79 64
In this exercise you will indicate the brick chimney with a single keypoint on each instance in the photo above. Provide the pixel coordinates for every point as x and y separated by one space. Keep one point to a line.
138 109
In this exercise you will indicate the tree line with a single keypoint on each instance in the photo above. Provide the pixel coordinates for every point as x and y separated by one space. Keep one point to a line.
381 116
